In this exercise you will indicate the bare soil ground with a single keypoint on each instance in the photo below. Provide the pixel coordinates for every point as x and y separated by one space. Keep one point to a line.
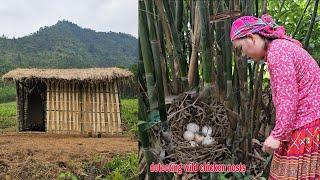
44 156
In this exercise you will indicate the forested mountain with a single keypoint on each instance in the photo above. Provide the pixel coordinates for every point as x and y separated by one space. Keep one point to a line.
66 45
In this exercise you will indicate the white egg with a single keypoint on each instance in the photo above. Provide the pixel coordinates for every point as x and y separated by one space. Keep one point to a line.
198 138
193 127
193 144
207 140
206 130
188 135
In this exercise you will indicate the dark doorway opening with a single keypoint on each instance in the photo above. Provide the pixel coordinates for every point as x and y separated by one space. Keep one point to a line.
35 107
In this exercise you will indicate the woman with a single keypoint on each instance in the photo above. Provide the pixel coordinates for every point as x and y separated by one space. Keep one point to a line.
295 85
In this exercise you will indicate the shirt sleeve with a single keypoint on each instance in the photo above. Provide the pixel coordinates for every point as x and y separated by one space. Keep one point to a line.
284 91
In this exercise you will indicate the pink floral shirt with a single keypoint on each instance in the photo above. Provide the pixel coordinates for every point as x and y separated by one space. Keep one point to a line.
295 85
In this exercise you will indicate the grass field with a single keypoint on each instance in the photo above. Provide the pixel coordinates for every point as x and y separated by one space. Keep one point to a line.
7 93
122 166
7 115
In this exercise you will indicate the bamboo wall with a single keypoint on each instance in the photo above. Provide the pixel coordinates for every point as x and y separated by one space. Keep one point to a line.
74 108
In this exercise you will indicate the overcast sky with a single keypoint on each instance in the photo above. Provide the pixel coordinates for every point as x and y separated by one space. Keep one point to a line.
22 17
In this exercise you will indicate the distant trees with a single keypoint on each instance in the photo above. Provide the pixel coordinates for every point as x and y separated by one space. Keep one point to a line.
66 45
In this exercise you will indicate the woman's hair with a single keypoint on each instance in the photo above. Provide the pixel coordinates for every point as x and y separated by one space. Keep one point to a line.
267 40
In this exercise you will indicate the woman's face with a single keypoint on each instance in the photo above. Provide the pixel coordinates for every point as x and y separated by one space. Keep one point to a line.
251 46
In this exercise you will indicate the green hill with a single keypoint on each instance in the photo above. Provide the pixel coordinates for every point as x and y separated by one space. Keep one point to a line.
66 45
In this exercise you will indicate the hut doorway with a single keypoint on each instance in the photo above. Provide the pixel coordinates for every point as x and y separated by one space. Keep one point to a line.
34 105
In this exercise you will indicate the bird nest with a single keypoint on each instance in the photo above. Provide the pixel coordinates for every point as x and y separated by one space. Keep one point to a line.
189 108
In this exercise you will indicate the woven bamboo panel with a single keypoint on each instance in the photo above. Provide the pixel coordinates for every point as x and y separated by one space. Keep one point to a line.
74 108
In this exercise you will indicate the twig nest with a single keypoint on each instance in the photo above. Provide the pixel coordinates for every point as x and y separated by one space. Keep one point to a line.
207 140
198 138
193 144
193 127
206 130
188 135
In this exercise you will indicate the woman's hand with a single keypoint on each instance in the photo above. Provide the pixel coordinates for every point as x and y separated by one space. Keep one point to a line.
270 145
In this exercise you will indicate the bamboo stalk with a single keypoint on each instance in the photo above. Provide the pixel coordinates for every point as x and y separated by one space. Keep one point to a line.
155 46
143 134
117 108
96 89
94 101
312 22
64 123
61 108
258 96
169 46
264 7
58 108
73 99
102 106
84 127
113 113
65 106
109 108
205 43
163 60
228 56
177 47
257 8
81 114
300 19
69 109
147 56
106 130
54 107
99 107
244 104
193 65
88 123
77 113
48 109
237 5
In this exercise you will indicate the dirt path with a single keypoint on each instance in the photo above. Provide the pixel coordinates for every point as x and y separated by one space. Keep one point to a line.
44 156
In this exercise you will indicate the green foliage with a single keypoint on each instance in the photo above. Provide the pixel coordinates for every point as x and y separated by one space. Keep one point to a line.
67 176
123 167
129 114
7 115
7 93
8 109
289 17
66 45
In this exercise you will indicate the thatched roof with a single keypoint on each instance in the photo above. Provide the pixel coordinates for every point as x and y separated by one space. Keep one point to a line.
91 74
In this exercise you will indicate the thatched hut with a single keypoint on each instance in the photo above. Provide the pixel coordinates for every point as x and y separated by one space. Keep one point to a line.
68 101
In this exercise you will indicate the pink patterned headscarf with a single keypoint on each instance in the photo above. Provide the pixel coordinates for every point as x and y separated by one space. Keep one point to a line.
264 26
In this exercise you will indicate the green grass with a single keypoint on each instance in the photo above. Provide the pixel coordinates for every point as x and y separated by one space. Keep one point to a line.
129 114
120 167
7 93
7 115
123 167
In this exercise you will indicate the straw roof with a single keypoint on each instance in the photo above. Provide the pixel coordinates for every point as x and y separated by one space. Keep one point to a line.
91 74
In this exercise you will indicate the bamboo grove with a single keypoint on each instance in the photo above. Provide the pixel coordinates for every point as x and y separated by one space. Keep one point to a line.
185 46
